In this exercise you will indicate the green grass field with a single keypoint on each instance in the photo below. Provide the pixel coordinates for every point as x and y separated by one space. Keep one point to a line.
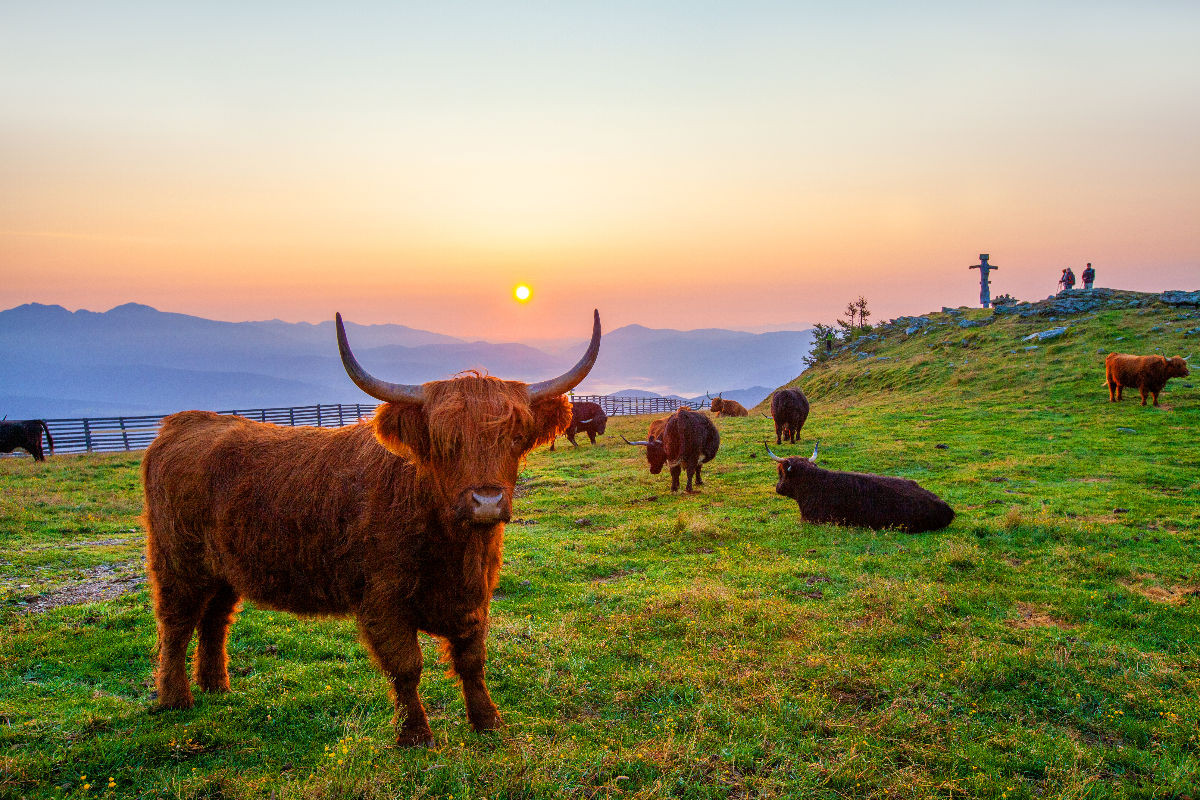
712 645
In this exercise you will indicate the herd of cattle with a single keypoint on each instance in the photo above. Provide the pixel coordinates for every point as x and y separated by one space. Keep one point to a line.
399 520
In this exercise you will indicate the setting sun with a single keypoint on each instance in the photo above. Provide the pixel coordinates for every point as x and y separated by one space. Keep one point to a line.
522 293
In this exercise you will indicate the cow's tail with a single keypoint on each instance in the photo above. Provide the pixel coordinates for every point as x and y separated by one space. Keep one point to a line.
49 438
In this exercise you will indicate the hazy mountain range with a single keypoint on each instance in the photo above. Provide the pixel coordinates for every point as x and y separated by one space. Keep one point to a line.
135 359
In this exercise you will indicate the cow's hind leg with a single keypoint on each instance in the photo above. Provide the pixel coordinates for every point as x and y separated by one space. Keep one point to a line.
177 609
393 645
211 671
468 655
1143 392
778 432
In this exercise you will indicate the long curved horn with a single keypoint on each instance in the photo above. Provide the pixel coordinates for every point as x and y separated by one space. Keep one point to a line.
379 389
584 421
773 456
813 457
575 375
639 444
768 416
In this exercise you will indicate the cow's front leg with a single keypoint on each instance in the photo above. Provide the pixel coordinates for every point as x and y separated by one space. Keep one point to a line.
393 645
468 654
675 470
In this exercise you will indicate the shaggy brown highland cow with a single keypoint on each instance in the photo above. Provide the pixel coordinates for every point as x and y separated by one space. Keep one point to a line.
860 499
1148 373
727 408
684 439
398 521
789 408
586 417
27 435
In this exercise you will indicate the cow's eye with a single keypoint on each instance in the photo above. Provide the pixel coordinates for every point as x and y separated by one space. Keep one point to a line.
518 443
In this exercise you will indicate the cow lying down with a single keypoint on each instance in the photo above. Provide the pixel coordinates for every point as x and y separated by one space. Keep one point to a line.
859 499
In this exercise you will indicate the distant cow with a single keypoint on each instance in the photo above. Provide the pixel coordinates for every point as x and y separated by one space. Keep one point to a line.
27 435
1148 373
688 440
586 418
727 408
398 520
789 407
859 499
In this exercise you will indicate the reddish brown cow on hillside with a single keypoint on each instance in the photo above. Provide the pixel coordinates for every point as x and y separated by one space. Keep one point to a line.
686 439
1148 373
858 498
790 409
398 521
586 417
727 408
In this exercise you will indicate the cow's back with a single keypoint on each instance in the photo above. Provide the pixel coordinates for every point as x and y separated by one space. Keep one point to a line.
1126 369
272 511
690 437
790 405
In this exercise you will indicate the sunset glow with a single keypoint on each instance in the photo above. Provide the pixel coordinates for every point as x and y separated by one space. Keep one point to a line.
735 166
522 293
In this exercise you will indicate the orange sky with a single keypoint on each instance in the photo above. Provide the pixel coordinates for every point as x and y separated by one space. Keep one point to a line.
673 167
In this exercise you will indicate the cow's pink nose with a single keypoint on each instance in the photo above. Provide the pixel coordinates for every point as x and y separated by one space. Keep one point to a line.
488 506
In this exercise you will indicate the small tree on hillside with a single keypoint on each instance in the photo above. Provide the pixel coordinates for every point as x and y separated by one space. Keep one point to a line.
863 312
822 343
855 315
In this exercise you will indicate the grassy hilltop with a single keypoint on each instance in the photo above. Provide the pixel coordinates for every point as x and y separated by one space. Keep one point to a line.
1047 644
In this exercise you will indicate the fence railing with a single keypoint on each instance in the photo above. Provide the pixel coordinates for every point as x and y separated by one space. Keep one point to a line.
117 434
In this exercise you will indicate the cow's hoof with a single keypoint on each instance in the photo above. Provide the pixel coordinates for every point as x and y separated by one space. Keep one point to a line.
421 737
488 725
175 703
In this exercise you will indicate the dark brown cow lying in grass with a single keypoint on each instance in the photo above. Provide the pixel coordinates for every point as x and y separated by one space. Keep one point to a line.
727 408
688 440
1148 373
859 499
398 521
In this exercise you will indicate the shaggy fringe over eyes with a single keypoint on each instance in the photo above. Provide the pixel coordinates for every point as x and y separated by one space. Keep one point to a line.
468 409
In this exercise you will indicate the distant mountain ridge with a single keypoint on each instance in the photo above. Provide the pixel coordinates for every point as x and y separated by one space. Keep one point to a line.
135 359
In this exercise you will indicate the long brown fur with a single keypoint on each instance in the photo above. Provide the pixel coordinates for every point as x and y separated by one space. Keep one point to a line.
728 408
1148 373
366 520
789 408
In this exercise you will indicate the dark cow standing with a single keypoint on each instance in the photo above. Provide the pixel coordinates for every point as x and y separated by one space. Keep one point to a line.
1148 373
790 408
586 417
27 435
398 520
689 440
859 499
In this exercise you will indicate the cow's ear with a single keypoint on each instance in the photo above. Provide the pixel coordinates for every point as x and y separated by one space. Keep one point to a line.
403 429
551 416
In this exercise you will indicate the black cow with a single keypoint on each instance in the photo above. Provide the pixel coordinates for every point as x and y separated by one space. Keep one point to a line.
586 418
860 499
26 434
689 439
789 407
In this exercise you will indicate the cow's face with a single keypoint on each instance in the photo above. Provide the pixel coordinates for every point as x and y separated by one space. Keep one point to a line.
793 472
716 405
1177 367
656 454
468 437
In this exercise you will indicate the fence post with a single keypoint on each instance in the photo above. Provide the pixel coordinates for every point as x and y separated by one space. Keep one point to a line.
124 433
341 419
292 417
319 416
87 435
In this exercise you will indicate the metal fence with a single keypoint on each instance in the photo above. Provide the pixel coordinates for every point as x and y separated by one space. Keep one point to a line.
118 434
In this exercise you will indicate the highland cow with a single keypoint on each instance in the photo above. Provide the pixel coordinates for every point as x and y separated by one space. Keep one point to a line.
27 435
789 407
586 417
686 439
398 520
727 408
1148 373
859 499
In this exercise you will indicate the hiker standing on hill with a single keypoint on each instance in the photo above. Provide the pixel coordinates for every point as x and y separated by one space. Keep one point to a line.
1089 277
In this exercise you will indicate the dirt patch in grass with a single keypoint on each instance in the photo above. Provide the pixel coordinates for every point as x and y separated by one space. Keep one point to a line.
102 583
1169 595
1031 616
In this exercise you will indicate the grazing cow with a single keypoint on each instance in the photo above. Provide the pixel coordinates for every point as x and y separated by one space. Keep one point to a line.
586 418
27 435
859 499
727 408
398 520
789 407
688 440
1148 373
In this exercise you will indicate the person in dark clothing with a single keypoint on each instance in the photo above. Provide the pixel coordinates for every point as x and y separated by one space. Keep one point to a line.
1089 277
1068 279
